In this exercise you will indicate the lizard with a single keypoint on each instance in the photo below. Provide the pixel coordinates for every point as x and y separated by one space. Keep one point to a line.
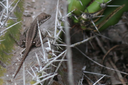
28 40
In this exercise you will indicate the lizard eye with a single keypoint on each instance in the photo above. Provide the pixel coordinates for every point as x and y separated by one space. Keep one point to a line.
46 16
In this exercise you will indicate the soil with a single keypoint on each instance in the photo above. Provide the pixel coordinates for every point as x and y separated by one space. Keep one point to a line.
32 8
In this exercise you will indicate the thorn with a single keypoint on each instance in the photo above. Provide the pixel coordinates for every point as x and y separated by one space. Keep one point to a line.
113 5
30 74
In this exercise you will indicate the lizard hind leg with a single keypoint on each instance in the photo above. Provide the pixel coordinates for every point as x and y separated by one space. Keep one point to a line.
22 41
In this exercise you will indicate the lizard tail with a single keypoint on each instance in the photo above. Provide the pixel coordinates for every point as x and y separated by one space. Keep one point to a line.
22 61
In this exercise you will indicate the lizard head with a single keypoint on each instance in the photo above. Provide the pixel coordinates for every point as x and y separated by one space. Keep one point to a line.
43 17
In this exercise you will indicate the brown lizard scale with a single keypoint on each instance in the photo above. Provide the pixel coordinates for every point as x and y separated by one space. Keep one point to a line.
31 35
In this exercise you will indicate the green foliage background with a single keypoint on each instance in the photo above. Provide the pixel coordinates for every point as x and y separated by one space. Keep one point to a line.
7 45
111 15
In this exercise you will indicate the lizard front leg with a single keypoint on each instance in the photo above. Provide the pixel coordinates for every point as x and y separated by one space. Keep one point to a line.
37 42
